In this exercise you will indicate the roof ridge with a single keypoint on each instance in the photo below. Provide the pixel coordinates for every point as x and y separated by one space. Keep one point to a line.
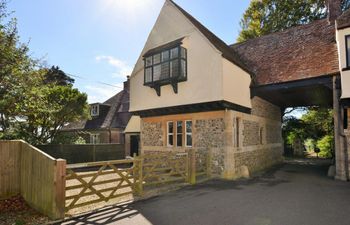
225 49
114 108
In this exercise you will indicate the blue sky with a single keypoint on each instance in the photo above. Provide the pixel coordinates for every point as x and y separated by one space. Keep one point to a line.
100 40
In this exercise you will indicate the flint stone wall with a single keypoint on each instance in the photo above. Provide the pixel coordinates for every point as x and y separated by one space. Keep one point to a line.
152 134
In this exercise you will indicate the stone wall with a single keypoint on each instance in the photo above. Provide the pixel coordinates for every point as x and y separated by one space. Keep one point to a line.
265 109
258 159
209 133
273 133
152 134
251 133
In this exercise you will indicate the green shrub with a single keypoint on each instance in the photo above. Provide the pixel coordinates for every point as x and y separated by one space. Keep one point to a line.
326 146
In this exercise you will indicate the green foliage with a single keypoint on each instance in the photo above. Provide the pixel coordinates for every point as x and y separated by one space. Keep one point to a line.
310 145
68 138
55 75
34 102
315 129
325 145
319 122
292 129
47 108
267 16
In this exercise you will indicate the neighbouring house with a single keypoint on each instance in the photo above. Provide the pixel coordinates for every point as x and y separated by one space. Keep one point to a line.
193 91
108 120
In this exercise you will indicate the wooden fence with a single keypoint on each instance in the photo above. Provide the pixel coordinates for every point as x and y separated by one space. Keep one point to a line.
171 166
91 183
10 164
165 167
36 176
53 188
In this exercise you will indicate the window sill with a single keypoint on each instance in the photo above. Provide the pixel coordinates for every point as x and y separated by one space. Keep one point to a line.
172 81
346 69
165 81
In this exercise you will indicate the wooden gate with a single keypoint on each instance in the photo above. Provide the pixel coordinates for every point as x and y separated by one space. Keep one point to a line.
165 167
91 183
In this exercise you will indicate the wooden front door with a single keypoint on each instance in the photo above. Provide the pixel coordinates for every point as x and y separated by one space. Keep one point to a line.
134 144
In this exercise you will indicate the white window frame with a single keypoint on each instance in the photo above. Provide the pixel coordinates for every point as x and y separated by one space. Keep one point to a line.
168 134
182 133
188 133
95 138
93 112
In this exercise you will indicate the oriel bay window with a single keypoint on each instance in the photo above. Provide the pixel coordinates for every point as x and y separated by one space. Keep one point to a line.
165 65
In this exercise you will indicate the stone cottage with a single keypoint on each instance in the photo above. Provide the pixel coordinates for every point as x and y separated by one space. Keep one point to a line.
192 90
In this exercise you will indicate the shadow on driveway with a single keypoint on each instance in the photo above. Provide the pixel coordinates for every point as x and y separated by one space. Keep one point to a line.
296 193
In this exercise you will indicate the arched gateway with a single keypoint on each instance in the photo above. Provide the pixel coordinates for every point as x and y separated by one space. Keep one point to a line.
192 90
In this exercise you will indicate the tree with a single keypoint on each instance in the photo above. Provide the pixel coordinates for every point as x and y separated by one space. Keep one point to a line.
315 128
17 72
267 16
57 76
34 103
47 108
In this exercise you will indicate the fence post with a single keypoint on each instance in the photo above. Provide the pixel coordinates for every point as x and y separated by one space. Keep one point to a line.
140 176
94 152
209 157
60 189
192 164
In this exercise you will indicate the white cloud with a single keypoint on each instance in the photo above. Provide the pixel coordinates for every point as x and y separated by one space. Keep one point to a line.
122 68
102 93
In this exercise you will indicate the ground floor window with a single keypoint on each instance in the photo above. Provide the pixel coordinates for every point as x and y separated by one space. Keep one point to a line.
94 138
188 137
345 118
170 134
179 133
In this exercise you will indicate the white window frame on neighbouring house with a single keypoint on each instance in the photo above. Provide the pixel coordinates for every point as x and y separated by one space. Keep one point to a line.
94 111
94 138
188 133
170 135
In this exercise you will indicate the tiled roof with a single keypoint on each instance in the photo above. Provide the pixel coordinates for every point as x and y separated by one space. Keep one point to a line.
226 51
297 53
114 113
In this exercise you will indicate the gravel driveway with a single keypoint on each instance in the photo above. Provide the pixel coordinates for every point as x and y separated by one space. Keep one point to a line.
297 193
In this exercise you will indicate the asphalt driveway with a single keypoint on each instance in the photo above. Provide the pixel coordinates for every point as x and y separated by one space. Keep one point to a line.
297 193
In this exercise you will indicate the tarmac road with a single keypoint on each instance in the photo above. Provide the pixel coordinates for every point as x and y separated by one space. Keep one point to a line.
297 193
